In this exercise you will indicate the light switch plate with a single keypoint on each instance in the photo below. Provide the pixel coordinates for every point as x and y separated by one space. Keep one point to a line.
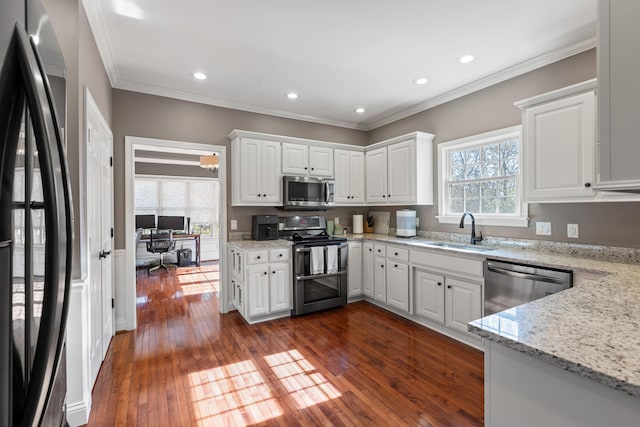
543 228
234 224
573 231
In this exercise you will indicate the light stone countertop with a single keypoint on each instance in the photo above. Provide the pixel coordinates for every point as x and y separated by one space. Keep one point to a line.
592 329
260 244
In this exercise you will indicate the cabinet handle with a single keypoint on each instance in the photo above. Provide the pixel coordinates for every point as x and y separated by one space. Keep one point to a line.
305 168
258 257
259 195
379 251
395 265
384 196
448 286
388 195
264 195
265 273
273 272
396 253
587 184
370 249
313 169
280 255
439 283
381 265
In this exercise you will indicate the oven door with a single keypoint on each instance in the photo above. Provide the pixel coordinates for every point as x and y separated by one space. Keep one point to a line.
320 291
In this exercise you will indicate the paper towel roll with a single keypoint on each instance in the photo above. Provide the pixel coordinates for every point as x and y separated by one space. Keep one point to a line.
357 224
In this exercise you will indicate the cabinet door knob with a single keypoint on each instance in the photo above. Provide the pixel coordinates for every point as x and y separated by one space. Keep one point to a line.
313 169
258 257
439 283
273 272
305 168
280 255
384 196
388 195
587 184
448 286
370 249
396 253
265 273
381 265
395 265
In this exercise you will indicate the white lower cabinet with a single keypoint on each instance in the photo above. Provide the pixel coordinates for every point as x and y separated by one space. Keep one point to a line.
463 303
354 275
447 289
262 288
380 279
429 295
367 269
398 285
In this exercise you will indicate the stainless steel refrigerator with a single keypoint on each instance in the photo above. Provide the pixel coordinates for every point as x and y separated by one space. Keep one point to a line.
35 219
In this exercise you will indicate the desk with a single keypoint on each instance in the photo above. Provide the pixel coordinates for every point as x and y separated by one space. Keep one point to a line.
177 237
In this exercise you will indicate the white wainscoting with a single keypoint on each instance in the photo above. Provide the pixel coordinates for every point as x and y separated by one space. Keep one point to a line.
119 290
78 389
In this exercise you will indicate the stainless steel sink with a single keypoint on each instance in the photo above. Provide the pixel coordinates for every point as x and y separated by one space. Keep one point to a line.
460 246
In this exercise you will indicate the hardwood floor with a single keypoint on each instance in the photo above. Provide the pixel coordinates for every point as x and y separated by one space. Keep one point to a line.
188 365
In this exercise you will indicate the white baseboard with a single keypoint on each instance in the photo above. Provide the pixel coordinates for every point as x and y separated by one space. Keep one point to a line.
120 291
121 325
78 413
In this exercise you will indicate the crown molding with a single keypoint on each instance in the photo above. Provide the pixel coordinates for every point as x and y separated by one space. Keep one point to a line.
485 82
209 100
100 34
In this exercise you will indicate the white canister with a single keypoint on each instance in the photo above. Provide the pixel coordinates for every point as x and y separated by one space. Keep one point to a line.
357 224
405 223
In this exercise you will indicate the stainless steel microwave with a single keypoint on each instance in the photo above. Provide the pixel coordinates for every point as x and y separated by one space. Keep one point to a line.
306 193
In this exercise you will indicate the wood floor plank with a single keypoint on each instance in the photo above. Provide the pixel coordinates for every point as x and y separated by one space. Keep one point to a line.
188 365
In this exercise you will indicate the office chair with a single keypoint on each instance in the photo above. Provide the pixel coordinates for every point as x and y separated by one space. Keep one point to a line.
161 244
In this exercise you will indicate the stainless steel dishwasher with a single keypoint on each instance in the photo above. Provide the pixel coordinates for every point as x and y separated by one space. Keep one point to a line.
507 285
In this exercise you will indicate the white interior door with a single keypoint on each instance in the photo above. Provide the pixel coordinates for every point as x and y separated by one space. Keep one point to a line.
99 225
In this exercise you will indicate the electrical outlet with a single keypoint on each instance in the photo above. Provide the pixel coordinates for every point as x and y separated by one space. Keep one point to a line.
234 224
543 228
573 231
336 220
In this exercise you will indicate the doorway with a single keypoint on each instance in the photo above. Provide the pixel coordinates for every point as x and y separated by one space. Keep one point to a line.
147 151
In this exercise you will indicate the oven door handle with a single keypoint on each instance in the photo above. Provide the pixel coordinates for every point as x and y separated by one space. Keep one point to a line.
322 276
298 250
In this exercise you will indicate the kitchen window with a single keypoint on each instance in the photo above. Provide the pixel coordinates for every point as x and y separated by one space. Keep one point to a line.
481 174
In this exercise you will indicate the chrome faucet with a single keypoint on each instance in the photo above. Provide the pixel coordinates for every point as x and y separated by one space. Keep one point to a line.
474 239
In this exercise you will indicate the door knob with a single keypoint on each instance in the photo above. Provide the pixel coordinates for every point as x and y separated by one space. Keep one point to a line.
104 254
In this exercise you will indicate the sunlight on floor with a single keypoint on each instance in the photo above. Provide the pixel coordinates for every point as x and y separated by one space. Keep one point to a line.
199 288
234 394
306 386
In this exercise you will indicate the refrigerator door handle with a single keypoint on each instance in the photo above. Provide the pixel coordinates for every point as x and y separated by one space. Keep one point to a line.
57 201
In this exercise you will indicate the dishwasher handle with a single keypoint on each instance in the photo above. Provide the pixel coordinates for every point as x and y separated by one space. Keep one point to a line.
529 276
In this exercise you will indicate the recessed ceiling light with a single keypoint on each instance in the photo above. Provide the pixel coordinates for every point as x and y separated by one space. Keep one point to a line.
421 80
360 110
199 76
465 59
292 95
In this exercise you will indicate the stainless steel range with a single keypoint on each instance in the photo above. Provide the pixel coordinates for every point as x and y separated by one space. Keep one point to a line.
320 264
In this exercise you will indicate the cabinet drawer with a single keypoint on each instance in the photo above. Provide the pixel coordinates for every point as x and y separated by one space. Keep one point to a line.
379 250
399 254
257 257
281 254
453 264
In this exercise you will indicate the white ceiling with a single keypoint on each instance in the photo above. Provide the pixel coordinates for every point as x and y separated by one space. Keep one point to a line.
338 55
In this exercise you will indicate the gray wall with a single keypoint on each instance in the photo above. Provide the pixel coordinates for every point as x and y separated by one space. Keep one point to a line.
137 114
492 108
84 68
488 109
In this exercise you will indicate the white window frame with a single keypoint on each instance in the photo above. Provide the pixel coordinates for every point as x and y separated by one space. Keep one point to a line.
520 219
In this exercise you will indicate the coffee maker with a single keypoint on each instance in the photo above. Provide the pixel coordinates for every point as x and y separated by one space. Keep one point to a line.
264 227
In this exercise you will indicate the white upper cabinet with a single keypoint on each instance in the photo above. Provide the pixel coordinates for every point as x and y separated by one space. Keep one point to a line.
349 176
559 144
399 171
307 160
618 94
256 176
376 172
